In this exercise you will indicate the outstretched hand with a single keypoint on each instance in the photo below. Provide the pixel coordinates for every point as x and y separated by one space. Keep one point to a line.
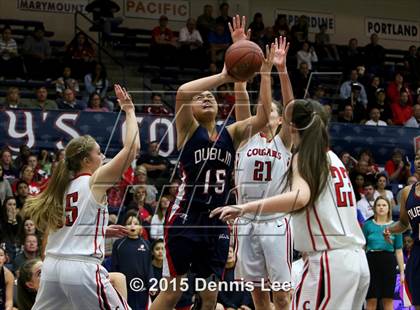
267 64
227 213
123 98
116 231
237 29
282 47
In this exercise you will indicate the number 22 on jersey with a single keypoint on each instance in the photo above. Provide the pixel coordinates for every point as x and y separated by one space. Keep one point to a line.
343 187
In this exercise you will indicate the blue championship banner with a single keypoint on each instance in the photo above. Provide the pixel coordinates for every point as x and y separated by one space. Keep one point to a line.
51 130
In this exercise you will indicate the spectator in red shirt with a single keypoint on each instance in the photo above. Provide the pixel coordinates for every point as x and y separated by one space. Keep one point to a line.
402 111
156 107
398 171
163 46
394 89
27 175
226 102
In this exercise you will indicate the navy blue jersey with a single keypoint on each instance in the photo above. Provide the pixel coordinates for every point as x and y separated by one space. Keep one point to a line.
206 167
412 205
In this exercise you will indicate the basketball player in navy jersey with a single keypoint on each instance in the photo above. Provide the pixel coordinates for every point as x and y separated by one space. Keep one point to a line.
410 216
193 241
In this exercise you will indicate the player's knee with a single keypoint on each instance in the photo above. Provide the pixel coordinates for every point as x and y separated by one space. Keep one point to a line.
281 300
208 304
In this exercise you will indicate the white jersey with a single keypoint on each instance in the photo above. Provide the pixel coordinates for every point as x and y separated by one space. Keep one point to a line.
83 234
260 168
332 222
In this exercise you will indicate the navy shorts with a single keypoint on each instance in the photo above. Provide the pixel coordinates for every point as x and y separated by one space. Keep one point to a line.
194 242
412 274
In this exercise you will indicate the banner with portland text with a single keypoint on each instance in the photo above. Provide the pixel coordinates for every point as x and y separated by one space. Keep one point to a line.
51 130
392 29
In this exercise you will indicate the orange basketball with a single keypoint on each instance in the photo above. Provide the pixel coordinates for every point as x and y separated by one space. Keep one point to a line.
243 59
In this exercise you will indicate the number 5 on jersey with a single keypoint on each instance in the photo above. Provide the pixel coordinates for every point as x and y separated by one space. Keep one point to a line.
71 208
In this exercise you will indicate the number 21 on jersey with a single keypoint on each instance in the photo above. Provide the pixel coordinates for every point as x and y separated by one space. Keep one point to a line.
343 187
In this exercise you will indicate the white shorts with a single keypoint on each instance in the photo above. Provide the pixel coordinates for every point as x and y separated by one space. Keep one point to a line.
335 279
264 250
71 284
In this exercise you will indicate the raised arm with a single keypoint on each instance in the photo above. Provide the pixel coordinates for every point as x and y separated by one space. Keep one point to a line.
185 121
247 128
280 59
110 173
294 200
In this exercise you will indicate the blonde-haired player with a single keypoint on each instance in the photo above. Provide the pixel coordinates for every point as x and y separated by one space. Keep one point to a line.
264 242
73 211
336 273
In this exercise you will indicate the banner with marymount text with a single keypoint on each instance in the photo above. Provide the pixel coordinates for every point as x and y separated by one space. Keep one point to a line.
52 6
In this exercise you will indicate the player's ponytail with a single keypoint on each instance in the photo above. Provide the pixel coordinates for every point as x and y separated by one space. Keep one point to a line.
311 122
47 209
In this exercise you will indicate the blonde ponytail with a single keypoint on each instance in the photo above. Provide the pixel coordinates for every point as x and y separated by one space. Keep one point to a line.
47 209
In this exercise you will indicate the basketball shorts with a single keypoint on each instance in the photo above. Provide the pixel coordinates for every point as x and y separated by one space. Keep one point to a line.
412 275
73 284
194 242
335 280
263 250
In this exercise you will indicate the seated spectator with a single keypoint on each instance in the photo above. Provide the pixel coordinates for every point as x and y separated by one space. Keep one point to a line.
138 204
27 228
11 65
320 95
347 115
157 166
299 32
375 118
156 107
80 54
191 50
37 52
348 161
172 190
132 256
30 251
365 204
381 184
363 168
28 283
281 28
32 162
45 162
397 169
66 81
357 184
402 111
233 299
359 110
224 17
300 80
22 157
346 88
206 22
367 156
5 189
394 89
327 50
158 219
372 88
219 41
9 223
95 104
97 82
374 55
6 282
307 54
353 55
10 172
225 101
22 192
41 102
411 64
414 121
163 47
140 178
12 100
257 28
268 37
27 175
69 101
103 14
382 105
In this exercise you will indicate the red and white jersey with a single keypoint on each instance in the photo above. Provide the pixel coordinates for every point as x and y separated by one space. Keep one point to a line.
83 234
261 165
332 222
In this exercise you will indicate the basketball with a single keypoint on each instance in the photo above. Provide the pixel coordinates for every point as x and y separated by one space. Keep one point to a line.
243 59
